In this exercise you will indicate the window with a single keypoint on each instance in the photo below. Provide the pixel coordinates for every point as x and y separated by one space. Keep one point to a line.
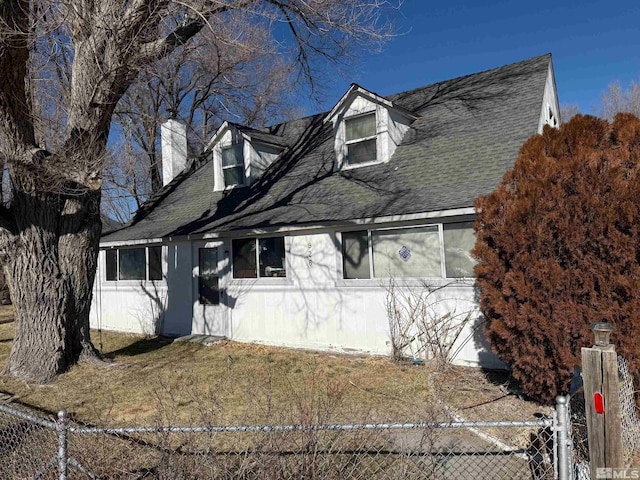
409 252
459 240
360 136
112 265
244 258
266 253
131 264
140 263
355 254
233 165
155 263
208 286
406 252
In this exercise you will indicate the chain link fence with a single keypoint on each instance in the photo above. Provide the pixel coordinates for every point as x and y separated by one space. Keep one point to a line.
36 447
629 410
630 424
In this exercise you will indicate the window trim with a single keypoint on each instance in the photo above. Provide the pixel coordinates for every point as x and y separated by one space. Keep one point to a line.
146 266
376 279
285 279
347 143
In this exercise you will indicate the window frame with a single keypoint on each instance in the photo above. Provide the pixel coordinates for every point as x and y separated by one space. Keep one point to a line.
147 270
239 164
373 278
355 141
257 267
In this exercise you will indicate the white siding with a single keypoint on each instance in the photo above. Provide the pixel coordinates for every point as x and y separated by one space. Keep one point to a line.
131 306
311 308
549 101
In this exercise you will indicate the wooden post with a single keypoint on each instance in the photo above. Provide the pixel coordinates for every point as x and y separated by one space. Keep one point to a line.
600 377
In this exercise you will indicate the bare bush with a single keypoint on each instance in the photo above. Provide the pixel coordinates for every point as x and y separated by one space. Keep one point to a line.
421 325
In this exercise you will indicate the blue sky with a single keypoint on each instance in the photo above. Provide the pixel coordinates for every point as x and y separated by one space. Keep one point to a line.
593 44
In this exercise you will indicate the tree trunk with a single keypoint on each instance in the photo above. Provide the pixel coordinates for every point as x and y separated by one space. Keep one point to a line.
51 277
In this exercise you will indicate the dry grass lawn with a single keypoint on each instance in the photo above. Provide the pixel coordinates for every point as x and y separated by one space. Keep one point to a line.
152 380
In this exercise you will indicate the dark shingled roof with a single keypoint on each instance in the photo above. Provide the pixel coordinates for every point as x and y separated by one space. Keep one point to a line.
468 134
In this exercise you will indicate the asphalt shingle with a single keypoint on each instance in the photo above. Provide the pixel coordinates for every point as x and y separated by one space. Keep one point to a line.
468 134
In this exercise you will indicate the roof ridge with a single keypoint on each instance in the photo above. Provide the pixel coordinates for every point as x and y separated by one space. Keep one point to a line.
458 78
268 128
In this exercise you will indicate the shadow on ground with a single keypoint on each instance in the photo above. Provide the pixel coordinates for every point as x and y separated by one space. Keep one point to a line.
142 346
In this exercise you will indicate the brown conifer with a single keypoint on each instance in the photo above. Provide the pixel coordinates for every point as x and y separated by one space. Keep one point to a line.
558 244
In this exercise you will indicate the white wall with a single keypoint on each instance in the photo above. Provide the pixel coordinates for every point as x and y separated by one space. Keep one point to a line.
549 103
261 156
316 309
131 306
311 308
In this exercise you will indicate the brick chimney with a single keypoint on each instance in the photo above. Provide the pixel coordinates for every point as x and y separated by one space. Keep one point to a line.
173 136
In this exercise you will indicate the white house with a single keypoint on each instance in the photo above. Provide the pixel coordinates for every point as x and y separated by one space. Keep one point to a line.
289 235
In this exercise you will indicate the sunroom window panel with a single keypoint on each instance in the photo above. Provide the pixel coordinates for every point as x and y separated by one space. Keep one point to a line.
132 264
355 255
244 258
360 127
459 240
361 152
272 257
411 252
155 263
112 265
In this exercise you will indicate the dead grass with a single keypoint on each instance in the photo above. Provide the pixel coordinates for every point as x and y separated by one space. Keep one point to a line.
239 382
161 380
6 313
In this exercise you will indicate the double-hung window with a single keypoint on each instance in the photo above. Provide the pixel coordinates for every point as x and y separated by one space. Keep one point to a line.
360 139
259 257
441 250
233 165
137 263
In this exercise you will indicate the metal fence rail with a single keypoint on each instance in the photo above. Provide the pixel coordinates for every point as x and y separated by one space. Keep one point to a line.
35 447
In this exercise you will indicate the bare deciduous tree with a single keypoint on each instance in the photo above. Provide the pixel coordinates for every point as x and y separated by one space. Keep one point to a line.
212 79
618 100
91 52
567 112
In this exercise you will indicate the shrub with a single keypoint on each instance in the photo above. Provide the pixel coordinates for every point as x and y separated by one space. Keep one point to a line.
558 244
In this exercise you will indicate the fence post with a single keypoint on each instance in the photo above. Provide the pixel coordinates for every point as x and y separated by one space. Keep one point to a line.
564 442
602 401
62 424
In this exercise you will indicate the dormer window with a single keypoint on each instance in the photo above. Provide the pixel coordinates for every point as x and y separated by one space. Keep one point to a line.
233 165
361 139
367 128
241 154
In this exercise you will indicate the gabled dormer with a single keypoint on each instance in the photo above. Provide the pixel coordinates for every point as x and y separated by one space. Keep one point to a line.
367 128
241 154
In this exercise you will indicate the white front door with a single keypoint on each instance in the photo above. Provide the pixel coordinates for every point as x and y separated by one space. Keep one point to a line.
210 314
